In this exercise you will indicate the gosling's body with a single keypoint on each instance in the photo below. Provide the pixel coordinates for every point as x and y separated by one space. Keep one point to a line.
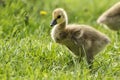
80 39
111 17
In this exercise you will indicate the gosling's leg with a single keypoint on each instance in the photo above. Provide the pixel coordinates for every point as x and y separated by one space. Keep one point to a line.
90 60
118 36
117 39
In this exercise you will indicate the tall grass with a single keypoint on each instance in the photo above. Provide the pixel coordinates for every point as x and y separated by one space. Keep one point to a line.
27 51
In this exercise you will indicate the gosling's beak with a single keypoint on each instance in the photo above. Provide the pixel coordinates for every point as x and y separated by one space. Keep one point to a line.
54 22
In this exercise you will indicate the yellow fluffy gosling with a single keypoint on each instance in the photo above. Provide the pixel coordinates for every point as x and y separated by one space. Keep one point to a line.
111 17
81 40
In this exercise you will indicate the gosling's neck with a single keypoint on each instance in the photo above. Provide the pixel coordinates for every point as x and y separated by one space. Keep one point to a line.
62 25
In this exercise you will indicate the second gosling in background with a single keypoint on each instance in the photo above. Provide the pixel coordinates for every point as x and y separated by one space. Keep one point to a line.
81 40
111 17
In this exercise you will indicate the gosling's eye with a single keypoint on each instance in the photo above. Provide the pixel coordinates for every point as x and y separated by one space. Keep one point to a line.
59 16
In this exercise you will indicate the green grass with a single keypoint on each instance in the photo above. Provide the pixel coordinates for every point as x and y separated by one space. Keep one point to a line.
27 51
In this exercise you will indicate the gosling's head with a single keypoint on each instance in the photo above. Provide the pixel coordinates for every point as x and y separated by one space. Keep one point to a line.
58 16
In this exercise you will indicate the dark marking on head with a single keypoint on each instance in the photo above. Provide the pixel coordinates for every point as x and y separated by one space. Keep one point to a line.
59 16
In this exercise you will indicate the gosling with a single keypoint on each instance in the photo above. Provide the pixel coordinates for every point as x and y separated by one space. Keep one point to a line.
111 17
81 40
